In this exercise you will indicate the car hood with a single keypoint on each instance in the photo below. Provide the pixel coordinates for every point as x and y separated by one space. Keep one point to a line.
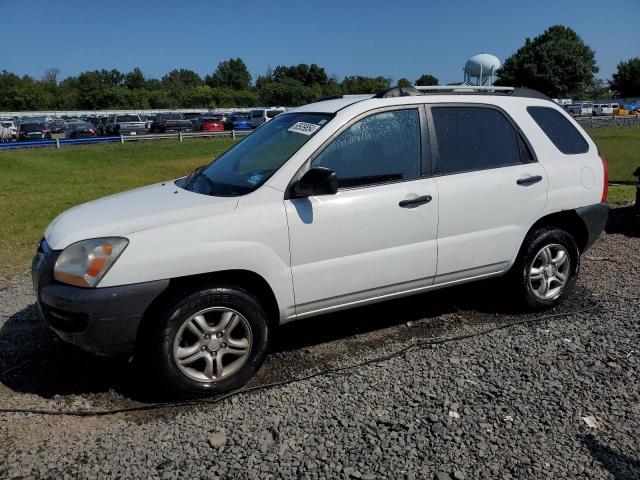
132 211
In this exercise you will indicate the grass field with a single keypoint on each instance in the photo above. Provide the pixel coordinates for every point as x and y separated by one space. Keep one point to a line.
621 148
38 184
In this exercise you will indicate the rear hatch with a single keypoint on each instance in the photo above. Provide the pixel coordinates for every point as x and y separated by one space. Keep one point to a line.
130 123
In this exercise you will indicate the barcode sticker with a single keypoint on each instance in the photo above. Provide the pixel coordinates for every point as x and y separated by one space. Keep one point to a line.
304 128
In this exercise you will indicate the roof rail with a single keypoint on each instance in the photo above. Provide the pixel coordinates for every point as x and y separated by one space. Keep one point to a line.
415 90
463 88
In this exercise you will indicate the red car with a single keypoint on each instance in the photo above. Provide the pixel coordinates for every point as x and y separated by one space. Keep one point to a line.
212 125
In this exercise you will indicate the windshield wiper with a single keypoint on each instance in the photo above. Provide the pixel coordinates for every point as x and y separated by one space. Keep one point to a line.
193 176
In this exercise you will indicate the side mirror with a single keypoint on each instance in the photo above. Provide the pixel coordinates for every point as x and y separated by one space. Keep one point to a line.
316 181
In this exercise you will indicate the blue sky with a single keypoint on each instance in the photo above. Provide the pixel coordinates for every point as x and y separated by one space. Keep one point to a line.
396 39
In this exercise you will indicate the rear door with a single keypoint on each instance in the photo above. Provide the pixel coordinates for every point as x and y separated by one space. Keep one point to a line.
490 189
377 236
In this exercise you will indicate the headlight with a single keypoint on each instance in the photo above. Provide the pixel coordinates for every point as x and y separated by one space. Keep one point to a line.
85 263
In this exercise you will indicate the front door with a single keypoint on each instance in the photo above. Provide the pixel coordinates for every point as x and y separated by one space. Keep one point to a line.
375 238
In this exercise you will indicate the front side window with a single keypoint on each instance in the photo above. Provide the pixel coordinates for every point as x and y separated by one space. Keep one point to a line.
383 147
249 163
559 130
474 138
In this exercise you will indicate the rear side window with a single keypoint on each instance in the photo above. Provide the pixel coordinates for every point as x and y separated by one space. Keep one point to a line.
383 147
474 138
564 136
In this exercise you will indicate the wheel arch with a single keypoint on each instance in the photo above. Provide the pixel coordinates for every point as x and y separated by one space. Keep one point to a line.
567 220
246 280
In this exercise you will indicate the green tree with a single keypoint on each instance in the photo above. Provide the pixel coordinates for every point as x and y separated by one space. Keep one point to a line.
51 76
403 82
232 73
307 75
427 80
180 78
597 89
626 81
557 63
134 79
359 84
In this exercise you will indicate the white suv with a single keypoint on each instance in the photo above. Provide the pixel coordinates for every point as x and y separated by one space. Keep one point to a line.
263 115
329 206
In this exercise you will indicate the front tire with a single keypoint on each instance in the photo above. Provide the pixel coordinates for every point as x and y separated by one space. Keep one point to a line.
212 341
546 269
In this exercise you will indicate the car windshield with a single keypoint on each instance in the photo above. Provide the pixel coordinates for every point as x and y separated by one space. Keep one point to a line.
273 113
249 164
240 117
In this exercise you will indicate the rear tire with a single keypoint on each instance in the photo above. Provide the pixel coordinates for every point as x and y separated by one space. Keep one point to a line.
546 269
209 342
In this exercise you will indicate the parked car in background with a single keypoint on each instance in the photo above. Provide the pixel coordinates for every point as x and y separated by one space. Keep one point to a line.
81 130
260 116
128 124
211 124
5 133
148 120
238 121
171 122
193 118
33 131
57 125
605 108
206 117
102 128
580 108
11 125
95 121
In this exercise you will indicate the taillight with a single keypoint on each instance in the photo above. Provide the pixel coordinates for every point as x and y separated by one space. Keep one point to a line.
165 125
605 187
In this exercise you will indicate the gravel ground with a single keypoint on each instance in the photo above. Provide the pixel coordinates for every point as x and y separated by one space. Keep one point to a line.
558 397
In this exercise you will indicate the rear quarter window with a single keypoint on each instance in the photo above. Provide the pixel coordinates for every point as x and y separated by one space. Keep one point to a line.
559 130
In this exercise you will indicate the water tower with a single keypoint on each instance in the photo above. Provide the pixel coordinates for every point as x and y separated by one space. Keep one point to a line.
481 69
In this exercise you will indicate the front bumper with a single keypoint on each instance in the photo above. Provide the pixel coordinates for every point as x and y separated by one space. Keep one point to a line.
100 320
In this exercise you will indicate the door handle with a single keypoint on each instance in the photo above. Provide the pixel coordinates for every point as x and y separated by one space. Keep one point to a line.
529 180
415 202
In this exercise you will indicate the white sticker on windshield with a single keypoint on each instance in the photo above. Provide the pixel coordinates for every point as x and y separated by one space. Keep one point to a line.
304 128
